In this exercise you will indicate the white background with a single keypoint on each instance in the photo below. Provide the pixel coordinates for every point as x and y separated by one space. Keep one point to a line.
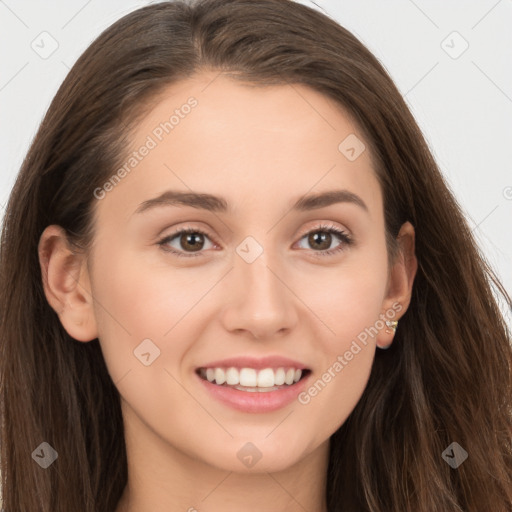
463 104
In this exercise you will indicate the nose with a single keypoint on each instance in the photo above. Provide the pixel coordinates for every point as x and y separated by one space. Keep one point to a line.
260 301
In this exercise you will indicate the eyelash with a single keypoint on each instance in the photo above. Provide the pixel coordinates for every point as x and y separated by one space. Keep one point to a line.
347 240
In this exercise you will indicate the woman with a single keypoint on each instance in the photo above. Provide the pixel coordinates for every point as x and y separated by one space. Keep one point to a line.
254 371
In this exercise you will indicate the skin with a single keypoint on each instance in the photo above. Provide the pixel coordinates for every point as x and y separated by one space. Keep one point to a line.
260 148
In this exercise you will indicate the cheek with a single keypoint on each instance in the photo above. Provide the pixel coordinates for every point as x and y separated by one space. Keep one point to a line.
347 298
143 299
129 309
349 303
337 388
138 301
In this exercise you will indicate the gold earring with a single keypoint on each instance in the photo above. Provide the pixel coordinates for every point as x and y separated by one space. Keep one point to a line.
392 324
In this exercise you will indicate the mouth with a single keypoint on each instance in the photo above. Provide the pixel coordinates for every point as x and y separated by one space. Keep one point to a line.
253 380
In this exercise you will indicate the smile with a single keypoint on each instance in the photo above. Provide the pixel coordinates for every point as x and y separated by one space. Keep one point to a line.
250 379
254 391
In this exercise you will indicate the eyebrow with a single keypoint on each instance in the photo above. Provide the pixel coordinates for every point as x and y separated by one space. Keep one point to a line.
209 202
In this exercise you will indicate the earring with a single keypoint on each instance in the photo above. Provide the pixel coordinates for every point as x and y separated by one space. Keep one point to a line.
392 326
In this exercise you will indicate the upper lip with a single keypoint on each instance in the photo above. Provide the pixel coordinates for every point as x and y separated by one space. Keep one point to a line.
258 363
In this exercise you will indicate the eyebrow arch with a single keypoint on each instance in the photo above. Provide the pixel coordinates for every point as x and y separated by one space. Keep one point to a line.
218 204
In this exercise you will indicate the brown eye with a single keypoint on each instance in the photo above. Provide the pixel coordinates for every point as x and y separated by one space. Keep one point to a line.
320 241
322 237
190 241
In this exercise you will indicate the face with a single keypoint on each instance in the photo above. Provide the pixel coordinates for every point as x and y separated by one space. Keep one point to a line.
294 286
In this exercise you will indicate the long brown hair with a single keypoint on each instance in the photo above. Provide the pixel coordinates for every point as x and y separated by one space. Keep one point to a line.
447 377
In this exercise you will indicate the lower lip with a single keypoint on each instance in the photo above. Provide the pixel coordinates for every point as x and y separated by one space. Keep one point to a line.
255 401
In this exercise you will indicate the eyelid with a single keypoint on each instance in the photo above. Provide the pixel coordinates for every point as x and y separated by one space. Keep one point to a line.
323 225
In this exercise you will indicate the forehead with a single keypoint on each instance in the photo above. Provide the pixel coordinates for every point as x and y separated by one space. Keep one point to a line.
246 143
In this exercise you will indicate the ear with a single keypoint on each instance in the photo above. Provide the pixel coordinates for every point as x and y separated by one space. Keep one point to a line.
400 281
66 284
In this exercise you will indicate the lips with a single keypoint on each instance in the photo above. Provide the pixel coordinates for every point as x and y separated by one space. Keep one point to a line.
254 399
254 384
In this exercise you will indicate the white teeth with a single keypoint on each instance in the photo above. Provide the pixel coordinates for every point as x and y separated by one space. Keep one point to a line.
279 377
251 378
248 377
232 377
220 376
266 378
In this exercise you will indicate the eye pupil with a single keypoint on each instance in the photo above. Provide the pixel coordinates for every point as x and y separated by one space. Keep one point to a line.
192 236
321 236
